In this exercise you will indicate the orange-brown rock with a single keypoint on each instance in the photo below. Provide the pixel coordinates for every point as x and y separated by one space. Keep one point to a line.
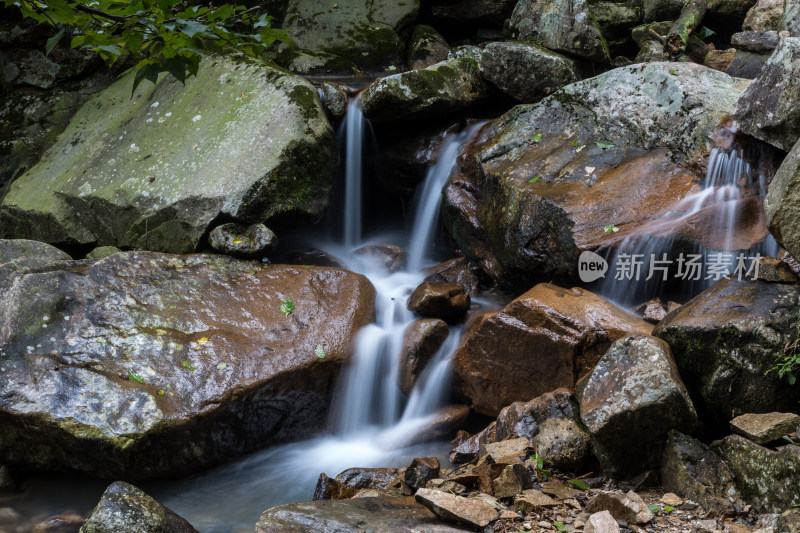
447 301
421 341
545 339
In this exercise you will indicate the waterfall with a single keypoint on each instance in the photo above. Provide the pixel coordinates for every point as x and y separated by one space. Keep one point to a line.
720 202
354 126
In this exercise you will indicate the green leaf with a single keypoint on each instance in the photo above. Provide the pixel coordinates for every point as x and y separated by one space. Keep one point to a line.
560 526
186 364
539 460
575 143
176 66
533 180
148 72
320 351
704 33
611 228
578 484
669 508
605 145
654 508
791 378
536 138
133 376
287 306
53 41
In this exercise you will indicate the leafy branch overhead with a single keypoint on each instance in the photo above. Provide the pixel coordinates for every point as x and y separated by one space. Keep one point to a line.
164 35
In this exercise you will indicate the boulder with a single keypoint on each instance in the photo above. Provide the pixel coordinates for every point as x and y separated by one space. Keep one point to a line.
767 479
616 20
454 508
658 10
457 271
728 9
150 365
770 108
601 522
18 255
540 184
255 240
471 12
760 42
746 64
102 251
313 257
765 15
148 171
385 256
420 471
505 448
782 203
369 478
335 99
547 338
628 507
422 340
347 35
365 515
725 339
437 90
634 387
329 488
124 507
791 18
564 26
441 425
532 500
511 481
766 427
446 301
526 72
523 419
563 445
427 47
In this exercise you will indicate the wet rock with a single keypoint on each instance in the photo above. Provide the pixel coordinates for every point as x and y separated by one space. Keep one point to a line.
775 271
533 501
523 419
616 20
442 424
788 522
550 338
465 448
63 523
255 240
156 184
437 90
765 15
388 257
731 9
658 10
335 99
422 339
690 469
457 271
755 41
563 445
767 479
147 340
420 471
601 522
369 478
782 203
746 64
566 27
7 485
635 386
454 508
725 339
766 427
368 515
768 109
791 18
511 481
446 301
329 488
628 507
314 257
346 36
720 59
655 310
497 450
526 199
526 72
102 251
427 47
124 507
20 255
471 12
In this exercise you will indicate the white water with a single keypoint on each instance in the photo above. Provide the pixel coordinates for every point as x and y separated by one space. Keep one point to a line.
727 172
372 423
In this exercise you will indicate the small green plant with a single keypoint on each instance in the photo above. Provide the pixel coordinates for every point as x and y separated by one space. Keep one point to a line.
669 508
186 364
536 138
673 72
605 145
320 351
788 361
133 376
578 484
287 306
560 526
611 228
654 508
540 465
533 180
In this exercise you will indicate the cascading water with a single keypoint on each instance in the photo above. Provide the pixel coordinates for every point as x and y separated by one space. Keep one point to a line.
656 251
372 423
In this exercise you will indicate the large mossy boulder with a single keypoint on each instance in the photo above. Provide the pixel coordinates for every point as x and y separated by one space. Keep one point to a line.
726 339
566 26
635 388
437 90
145 364
124 507
365 515
538 185
153 170
770 108
547 338
347 35
782 203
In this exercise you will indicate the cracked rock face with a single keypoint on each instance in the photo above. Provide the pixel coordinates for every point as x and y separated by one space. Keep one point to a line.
145 364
